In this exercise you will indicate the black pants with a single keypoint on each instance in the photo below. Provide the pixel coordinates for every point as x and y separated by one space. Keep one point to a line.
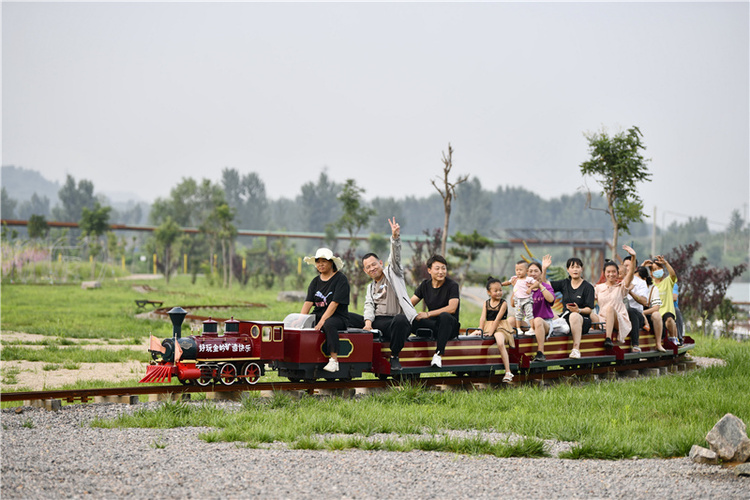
444 328
680 324
395 329
331 328
636 320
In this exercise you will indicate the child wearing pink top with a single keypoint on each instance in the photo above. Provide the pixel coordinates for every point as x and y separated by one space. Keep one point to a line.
522 297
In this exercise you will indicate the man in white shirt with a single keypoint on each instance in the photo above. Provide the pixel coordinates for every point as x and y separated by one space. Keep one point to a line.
637 298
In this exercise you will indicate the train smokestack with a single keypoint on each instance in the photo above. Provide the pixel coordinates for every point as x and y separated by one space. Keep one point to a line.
177 315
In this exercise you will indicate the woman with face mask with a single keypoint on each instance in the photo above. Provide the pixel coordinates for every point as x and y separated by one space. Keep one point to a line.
664 279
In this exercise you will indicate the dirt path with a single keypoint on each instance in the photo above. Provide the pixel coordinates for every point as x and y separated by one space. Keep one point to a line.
32 376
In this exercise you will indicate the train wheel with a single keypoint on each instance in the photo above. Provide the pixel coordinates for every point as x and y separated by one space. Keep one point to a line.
206 376
228 374
251 372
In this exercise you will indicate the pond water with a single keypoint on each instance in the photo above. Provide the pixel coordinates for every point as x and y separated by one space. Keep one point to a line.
739 292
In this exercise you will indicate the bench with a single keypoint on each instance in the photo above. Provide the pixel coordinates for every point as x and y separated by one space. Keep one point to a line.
142 303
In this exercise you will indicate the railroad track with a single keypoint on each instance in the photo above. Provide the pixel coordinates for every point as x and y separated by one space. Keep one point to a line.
88 395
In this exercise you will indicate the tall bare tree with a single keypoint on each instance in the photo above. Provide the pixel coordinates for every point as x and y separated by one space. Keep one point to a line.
447 192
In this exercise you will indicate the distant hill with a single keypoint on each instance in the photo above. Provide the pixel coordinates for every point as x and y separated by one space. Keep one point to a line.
20 183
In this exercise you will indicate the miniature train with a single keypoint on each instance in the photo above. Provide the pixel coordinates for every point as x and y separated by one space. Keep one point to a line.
246 348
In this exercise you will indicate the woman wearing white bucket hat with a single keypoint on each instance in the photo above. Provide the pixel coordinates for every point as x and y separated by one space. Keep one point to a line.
329 294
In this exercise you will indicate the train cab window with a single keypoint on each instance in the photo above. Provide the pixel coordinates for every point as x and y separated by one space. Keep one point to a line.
278 333
266 334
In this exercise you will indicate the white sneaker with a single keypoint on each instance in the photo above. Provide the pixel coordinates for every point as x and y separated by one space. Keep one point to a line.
437 361
332 366
530 333
508 378
575 353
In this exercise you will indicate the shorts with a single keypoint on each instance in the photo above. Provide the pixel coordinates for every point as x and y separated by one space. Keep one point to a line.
503 326
664 319
586 323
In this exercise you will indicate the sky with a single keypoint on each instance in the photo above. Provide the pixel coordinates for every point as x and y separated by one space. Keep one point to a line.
137 96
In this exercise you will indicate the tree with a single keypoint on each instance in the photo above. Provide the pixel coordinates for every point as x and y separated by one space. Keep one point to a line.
74 199
227 233
617 164
702 287
35 206
247 196
319 202
131 214
735 236
468 249
473 207
192 204
447 192
8 208
166 235
280 260
38 227
94 223
355 216
385 208
736 223
287 215
115 247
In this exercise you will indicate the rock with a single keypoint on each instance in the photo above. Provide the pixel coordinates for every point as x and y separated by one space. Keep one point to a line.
742 470
729 439
291 296
701 455
88 285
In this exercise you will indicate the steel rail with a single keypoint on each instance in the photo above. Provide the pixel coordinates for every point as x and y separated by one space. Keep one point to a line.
85 395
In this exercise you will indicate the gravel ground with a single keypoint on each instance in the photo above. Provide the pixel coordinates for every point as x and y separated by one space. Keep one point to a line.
58 455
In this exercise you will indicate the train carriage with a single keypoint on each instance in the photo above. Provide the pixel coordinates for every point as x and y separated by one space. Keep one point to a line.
304 355
297 351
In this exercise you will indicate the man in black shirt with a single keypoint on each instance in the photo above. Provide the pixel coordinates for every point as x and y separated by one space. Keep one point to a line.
442 298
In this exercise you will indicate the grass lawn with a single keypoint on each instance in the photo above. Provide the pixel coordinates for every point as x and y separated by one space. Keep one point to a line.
67 311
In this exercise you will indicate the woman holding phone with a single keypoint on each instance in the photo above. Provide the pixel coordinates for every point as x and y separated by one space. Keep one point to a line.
578 302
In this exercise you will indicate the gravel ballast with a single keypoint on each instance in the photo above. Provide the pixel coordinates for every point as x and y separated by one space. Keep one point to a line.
49 454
